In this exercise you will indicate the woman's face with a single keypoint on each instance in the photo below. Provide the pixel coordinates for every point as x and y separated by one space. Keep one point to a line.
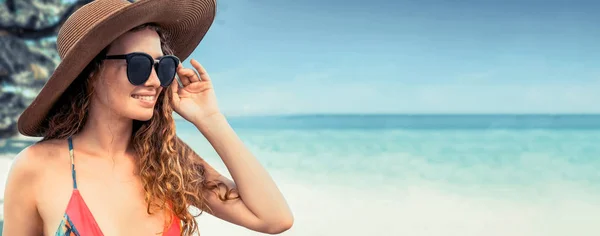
112 89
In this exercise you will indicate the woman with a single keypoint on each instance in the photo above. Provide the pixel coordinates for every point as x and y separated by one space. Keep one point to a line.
110 162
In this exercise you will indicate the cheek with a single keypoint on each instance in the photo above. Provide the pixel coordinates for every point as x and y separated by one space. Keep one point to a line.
114 91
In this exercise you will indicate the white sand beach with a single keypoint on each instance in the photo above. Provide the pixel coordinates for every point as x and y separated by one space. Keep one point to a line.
416 210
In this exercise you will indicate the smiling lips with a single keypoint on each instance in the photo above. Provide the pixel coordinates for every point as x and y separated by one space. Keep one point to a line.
143 97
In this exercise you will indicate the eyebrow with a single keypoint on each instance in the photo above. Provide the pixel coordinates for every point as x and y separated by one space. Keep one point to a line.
151 54
155 58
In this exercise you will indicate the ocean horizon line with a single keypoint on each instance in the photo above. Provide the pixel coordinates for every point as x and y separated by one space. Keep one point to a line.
419 121
413 114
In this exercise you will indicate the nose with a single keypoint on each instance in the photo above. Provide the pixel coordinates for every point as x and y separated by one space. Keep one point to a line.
153 81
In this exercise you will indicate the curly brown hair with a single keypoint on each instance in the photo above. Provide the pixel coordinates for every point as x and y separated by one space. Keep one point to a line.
173 175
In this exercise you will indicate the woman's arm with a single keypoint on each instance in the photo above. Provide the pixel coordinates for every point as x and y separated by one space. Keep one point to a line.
20 211
262 206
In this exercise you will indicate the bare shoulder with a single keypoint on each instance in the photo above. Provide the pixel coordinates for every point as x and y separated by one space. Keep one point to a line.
31 162
27 172
40 153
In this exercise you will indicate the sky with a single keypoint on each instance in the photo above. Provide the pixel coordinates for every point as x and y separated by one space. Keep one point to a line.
404 56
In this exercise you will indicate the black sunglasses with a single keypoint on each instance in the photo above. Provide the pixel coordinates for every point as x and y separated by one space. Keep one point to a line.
139 67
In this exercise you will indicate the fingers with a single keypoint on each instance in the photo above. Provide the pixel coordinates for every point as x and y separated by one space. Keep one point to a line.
203 74
183 75
187 75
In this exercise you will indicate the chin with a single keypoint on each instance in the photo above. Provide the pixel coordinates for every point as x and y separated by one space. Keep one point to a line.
141 110
142 115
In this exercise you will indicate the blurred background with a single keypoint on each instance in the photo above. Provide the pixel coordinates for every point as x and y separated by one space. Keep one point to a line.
383 117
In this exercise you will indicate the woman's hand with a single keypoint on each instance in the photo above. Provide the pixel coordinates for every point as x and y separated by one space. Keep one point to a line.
196 100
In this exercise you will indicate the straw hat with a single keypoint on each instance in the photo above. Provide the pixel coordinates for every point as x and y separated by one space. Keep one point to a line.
95 25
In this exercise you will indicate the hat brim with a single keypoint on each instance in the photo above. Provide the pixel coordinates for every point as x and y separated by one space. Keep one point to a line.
186 23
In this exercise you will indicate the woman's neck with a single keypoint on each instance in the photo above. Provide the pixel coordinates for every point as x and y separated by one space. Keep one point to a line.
106 133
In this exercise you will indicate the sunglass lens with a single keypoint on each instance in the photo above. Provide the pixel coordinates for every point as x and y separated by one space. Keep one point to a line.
139 69
166 70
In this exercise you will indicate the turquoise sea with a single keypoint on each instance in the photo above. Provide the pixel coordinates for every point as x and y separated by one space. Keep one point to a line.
464 150
430 174
423 174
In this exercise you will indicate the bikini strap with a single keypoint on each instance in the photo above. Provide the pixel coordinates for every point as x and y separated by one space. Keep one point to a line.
72 162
